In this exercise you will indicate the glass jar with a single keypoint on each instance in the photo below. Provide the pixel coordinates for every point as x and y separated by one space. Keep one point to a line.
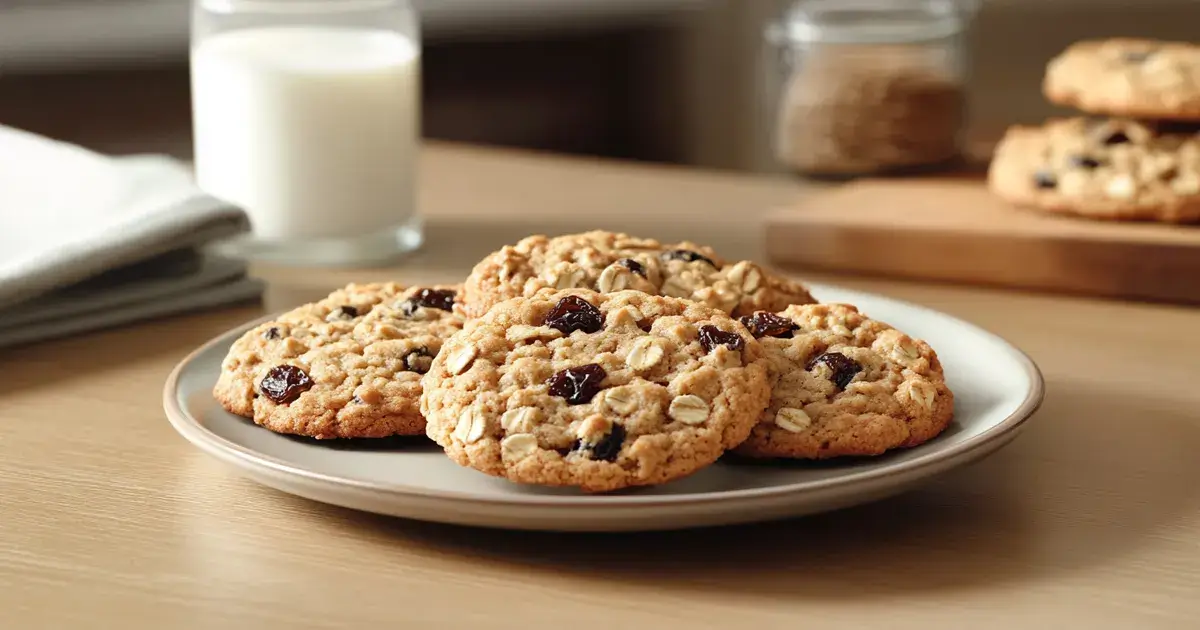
858 87
306 114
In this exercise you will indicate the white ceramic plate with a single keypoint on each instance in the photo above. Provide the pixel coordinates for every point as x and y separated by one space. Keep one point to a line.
996 389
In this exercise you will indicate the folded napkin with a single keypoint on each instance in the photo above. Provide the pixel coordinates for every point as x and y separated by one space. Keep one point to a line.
88 241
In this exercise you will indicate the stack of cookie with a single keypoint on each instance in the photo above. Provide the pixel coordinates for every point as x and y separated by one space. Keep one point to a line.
1135 157
596 360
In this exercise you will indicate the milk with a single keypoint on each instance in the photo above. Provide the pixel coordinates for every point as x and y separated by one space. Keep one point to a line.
312 130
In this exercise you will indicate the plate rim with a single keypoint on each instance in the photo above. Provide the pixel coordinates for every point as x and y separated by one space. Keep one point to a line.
200 436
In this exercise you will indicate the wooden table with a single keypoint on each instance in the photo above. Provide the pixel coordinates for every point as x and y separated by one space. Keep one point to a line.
1091 519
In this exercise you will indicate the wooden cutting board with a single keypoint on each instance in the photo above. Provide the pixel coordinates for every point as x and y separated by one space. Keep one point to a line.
952 229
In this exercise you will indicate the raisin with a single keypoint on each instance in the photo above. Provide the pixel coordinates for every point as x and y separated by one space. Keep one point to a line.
842 368
418 360
285 383
1084 161
1173 127
272 333
687 255
1115 137
634 266
577 385
440 299
575 313
346 312
764 324
711 337
1044 180
607 448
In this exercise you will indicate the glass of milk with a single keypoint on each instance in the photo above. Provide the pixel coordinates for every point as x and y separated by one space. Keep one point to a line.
306 114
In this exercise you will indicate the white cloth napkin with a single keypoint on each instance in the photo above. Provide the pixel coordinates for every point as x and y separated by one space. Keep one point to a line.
88 241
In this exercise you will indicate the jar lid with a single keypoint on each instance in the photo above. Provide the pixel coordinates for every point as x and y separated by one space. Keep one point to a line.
871 21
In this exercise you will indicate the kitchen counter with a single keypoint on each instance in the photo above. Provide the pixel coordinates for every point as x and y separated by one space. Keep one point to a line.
1090 519
695 97
41 35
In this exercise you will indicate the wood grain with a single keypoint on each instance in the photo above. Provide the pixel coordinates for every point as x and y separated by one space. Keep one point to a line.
952 229
1091 519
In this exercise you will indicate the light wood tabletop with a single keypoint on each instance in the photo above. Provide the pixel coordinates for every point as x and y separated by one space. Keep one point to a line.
1090 519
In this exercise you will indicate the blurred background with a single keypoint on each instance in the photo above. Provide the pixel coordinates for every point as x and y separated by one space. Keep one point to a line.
658 80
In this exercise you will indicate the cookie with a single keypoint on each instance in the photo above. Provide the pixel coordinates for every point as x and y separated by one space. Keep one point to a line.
593 390
609 261
847 385
348 366
1137 78
1102 169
